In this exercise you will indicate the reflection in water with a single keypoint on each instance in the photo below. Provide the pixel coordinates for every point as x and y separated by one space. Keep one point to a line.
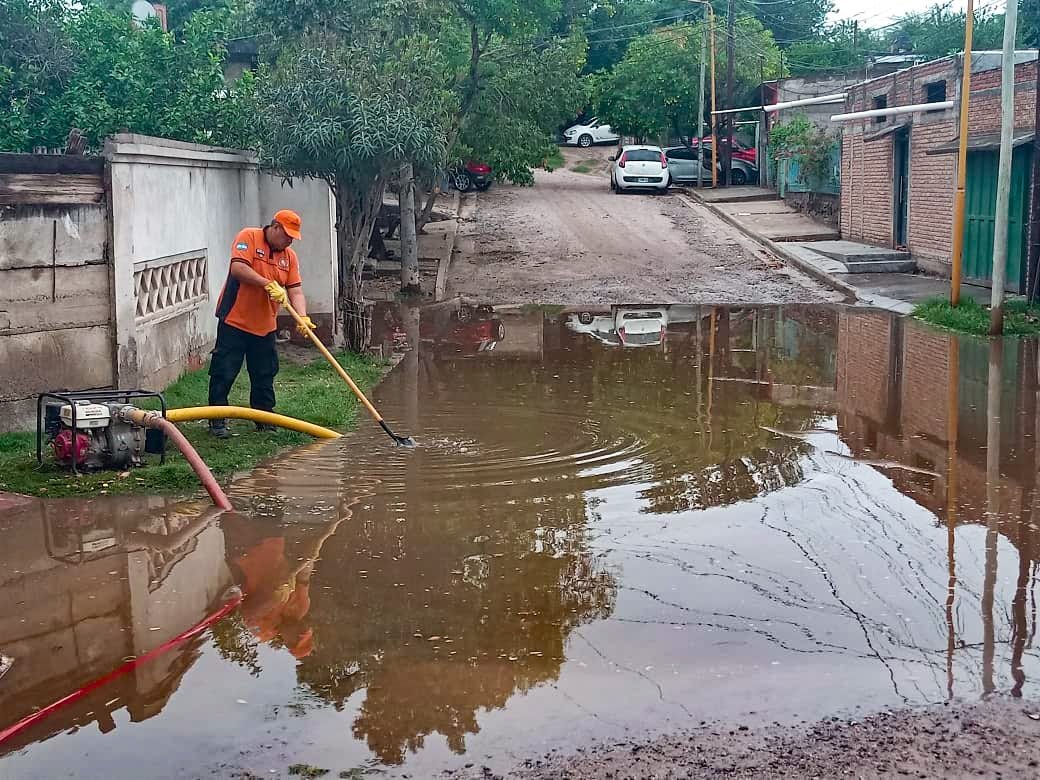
784 510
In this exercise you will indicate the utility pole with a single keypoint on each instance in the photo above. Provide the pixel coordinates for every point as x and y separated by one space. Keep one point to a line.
957 249
409 239
762 119
727 153
1007 128
714 136
700 104
1034 220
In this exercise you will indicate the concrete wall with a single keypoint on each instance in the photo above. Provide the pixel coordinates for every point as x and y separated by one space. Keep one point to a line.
313 200
55 291
110 270
157 568
176 209
868 151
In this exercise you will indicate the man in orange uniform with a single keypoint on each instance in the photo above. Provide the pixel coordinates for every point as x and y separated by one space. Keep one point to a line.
264 274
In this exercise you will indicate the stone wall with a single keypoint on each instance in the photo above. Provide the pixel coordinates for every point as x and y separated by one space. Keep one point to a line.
110 268
176 209
55 287
821 206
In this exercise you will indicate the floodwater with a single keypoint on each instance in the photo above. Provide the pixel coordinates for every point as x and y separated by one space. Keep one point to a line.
749 515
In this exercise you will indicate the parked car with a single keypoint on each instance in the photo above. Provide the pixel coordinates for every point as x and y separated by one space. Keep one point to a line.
740 152
471 175
589 133
682 166
461 329
624 326
639 168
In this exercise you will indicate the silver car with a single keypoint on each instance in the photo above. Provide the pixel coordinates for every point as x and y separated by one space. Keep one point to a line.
682 163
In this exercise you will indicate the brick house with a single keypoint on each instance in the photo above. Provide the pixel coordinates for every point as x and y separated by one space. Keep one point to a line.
898 173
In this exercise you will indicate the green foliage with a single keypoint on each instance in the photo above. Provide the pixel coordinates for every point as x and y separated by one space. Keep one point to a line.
311 392
840 47
90 68
793 20
342 110
939 31
654 89
1029 19
810 146
524 97
969 316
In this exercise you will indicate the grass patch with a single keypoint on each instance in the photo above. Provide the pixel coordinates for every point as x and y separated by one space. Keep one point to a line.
554 160
972 317
306 770
311 392
585 166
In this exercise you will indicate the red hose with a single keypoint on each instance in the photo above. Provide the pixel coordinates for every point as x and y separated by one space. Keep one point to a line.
119 671
194 460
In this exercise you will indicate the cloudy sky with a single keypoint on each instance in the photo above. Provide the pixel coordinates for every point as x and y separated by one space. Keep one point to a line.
874 13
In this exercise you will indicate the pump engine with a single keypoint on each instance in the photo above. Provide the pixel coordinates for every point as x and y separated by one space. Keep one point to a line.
100 440
87 433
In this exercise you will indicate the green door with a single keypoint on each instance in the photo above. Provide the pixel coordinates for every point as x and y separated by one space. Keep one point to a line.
979 219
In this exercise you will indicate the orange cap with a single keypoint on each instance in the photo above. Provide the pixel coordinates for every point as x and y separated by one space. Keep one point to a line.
291 221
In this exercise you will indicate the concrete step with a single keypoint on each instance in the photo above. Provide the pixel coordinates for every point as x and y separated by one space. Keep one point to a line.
852 252
903 266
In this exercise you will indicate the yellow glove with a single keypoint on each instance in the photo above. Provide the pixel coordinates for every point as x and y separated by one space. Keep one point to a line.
276 293
305 324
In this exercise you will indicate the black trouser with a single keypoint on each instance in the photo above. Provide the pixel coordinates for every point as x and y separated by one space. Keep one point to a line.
261 356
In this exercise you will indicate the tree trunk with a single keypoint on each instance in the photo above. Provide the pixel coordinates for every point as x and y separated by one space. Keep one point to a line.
357 206
410 282
423 216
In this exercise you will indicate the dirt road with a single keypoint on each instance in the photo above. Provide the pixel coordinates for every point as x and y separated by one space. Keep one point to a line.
568 239
994 738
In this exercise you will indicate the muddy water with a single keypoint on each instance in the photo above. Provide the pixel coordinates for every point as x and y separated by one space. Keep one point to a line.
756 515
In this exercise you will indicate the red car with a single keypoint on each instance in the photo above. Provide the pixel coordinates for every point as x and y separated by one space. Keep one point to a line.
740 152
472 175
463 330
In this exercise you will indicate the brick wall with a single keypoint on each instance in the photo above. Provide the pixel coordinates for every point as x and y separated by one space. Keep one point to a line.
984 111
866 189
868 155
924 386
933 180
864 365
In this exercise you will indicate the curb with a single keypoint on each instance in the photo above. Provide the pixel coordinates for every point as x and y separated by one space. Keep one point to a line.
440 287
777 249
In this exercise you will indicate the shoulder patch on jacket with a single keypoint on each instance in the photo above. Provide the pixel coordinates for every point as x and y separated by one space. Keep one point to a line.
241 245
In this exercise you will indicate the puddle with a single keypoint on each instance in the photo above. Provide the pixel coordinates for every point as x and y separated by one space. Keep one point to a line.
749 514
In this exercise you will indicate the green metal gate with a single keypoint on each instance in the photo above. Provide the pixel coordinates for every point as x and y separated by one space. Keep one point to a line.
979 218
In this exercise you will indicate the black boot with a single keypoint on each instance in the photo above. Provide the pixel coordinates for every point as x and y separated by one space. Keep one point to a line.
265 428
219 429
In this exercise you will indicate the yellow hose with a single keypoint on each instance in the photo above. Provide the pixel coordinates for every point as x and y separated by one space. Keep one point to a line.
242 413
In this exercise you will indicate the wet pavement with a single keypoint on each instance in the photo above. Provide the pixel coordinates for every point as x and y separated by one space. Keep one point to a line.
619 522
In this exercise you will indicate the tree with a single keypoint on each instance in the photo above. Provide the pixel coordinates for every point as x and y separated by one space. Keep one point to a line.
99 71
525 96
350 111
793 21
1029 17
654 89
939 31
841 47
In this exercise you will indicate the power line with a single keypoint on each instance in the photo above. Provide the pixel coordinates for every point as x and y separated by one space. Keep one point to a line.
669 18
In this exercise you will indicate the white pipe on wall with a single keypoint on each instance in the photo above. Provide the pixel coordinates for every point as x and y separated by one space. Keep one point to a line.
813 101
894 111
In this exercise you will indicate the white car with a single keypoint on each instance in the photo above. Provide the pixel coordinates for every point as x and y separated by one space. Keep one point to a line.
592 132
625 326
640 168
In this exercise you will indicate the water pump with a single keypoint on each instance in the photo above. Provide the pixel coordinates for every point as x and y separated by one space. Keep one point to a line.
87 433
99 439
